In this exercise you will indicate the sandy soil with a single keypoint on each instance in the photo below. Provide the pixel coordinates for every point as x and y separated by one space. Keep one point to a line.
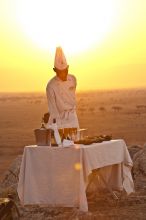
120 113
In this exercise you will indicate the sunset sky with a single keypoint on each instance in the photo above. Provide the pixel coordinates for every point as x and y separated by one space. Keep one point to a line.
104 42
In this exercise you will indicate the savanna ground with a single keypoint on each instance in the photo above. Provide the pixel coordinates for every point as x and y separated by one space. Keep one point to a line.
121 113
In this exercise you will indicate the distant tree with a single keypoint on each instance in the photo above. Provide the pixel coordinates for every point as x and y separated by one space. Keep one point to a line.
81 109
140 106
91 109
102 109
117 108
37 101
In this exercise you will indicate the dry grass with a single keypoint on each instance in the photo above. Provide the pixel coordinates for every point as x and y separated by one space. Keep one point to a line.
120 113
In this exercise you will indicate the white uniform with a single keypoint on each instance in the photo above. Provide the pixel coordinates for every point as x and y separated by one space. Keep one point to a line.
62 102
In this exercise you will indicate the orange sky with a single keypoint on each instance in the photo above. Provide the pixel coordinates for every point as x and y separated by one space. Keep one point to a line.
108 54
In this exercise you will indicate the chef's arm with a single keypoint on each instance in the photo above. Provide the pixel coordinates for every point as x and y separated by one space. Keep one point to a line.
52 103
74 81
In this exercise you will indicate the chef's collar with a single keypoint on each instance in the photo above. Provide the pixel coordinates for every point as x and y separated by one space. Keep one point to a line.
58 79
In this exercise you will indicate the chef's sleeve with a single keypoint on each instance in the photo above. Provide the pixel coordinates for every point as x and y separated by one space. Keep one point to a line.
52 103
74 80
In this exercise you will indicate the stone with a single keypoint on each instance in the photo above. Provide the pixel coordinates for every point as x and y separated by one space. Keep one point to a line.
9 182
139 169
134 149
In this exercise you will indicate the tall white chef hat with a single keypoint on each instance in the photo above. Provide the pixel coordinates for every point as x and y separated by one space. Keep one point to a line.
60 60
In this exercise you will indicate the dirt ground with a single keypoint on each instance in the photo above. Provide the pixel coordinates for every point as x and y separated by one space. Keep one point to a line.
121 113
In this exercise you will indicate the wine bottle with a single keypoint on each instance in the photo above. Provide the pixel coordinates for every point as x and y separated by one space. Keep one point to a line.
56 132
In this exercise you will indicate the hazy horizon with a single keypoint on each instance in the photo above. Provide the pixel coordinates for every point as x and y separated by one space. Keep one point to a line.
78 91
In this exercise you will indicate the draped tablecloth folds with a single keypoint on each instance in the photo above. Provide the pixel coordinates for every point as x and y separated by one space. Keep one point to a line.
59 176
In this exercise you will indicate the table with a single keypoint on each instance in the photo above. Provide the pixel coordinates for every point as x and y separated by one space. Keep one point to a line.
58 176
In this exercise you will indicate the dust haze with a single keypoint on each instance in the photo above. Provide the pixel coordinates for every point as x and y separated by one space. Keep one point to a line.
121 113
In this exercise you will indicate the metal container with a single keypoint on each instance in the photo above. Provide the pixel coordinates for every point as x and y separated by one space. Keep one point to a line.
43 137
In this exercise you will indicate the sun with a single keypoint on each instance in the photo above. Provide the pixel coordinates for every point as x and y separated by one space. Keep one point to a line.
74 24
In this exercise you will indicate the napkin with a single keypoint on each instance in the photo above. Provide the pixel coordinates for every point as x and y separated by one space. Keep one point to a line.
67 143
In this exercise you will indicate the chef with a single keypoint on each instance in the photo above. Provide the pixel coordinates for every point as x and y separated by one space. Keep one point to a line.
60 92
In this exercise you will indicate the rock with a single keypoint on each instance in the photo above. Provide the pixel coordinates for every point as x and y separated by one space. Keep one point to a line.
139 169
11 175
8 184
134 149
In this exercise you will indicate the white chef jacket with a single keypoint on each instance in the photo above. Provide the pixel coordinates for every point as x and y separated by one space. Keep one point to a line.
62 102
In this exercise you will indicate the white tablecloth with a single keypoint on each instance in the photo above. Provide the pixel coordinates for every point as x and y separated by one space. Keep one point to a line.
58 176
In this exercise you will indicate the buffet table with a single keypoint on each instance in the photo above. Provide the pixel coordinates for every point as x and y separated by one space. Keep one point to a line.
58 176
